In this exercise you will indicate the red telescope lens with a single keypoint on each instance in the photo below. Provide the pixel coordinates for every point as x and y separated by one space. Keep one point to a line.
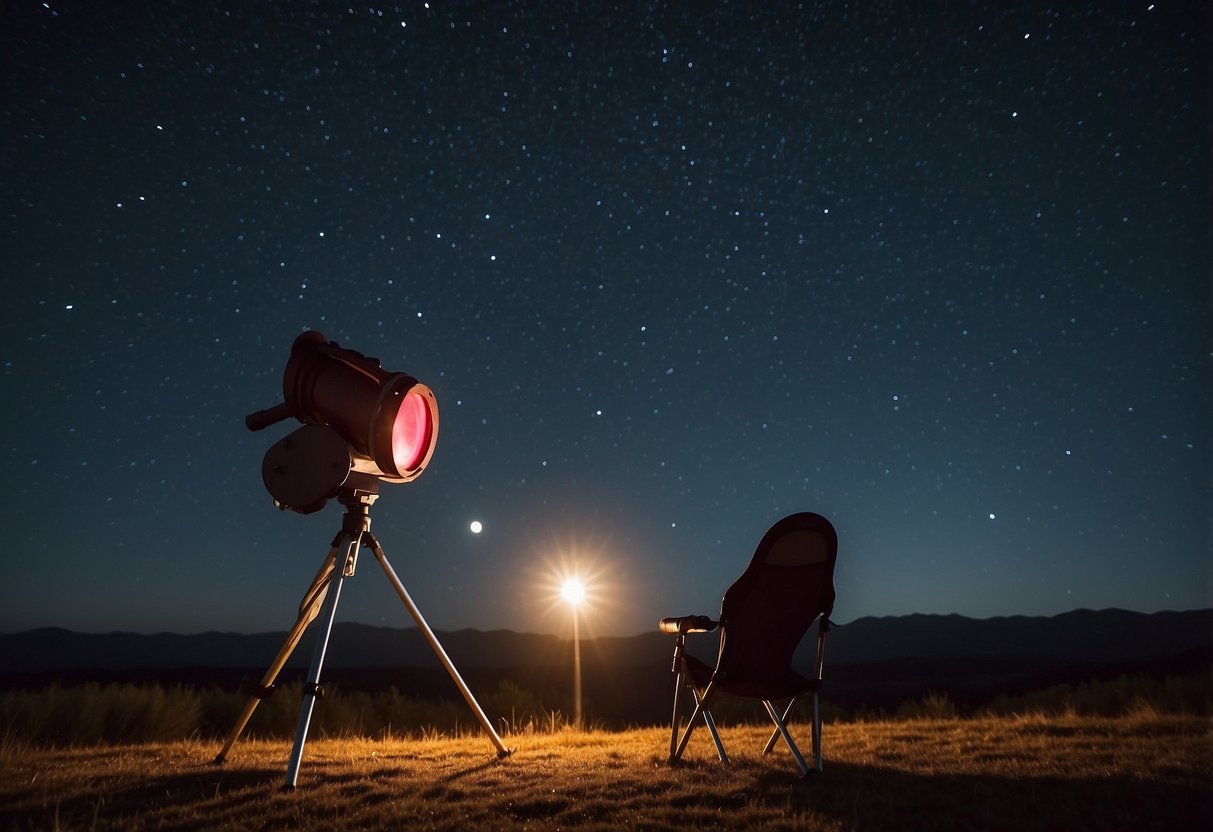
411 432
405 428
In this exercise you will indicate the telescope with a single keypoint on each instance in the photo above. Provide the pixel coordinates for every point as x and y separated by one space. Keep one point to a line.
357 419
362 425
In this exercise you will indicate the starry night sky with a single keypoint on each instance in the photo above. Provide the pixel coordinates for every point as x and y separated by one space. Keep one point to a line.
940 272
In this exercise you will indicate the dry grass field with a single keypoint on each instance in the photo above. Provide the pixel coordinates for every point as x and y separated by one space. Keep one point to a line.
1145 771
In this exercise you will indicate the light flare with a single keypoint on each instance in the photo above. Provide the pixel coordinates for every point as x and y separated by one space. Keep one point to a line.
573 591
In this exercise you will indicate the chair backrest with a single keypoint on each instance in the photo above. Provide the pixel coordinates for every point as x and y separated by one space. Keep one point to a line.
788 584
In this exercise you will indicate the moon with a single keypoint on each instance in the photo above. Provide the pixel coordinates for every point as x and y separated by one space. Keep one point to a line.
476 527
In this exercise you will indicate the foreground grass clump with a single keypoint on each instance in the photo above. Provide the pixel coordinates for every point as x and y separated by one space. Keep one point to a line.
992 773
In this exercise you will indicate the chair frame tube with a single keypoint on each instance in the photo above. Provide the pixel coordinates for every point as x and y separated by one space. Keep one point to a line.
781 729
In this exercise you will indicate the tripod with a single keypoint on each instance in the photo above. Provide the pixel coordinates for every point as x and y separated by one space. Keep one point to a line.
321 598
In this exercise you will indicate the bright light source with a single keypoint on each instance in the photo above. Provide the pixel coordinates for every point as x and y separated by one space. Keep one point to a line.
573 591
476 527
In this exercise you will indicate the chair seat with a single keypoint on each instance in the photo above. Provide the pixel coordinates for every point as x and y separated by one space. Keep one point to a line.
782 687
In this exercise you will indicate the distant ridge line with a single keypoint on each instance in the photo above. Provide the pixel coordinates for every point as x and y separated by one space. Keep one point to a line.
1081 635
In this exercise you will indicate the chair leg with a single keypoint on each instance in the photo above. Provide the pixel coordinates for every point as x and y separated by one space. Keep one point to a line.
823 628
711 723
674 719
701 710
787 712
676 748
816 728
816 733
783 730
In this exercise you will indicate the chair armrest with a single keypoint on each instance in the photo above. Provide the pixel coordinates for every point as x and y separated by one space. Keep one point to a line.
687 624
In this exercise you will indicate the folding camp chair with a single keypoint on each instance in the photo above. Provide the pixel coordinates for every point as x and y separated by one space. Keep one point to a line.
765 613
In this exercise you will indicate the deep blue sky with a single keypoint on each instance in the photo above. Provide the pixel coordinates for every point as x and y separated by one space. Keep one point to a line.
940 272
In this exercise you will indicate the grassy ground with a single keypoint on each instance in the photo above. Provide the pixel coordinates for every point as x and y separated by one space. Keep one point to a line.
1146 771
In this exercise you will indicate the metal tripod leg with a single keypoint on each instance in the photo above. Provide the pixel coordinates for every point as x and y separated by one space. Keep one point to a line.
502 751
326 590
311 688
308 608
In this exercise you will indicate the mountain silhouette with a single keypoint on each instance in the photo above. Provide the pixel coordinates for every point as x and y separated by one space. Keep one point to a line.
875 662
1085 636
